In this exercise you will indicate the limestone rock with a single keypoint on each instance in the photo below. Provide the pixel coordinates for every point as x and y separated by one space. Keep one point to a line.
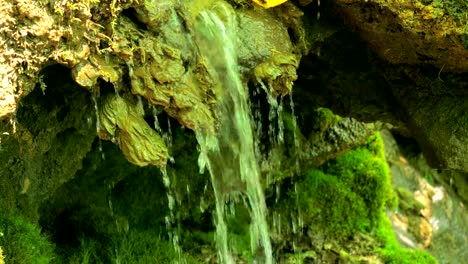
122 121
416 32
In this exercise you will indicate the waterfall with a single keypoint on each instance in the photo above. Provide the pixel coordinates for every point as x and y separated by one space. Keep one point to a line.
229 155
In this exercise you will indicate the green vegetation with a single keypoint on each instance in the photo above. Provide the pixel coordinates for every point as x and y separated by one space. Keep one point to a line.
135 247
325 118
407 201
455 8
239 233
238 227
22 242
348 194
392 253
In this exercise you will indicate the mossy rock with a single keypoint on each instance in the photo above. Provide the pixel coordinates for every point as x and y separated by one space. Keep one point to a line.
324 118
349 193
393 253
407 201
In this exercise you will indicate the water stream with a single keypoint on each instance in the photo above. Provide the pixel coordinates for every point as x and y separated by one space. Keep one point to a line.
98 124
229 155
170 219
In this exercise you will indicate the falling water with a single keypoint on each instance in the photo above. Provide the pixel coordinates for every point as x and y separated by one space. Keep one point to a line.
275 130
279 114
229 155
170 219
98 125
318 13
157 127
256 120
297 220
297 150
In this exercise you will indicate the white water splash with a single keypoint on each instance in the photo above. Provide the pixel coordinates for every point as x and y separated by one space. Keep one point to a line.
170 219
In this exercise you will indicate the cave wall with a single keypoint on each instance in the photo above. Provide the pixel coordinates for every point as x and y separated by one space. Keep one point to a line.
115 67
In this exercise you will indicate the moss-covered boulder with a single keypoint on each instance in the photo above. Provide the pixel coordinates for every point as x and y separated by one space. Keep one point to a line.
341 206
348 194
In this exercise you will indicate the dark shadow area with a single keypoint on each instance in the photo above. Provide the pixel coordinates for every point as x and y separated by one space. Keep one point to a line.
109 196
343 78
54 103
409 147
131 14
57 124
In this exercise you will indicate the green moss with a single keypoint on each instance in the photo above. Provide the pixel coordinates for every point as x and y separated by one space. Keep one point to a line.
392 253
349 193
300 258
329 203
87 253
2 258
8 179
22 242
325 118
407 200
455 8
145 247
238 227
239 234
135 247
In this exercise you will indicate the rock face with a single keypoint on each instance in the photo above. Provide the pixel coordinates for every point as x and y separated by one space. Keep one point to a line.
122 121
149 50
73 73
49 144
415 33
134 59
404 65
430 215
28 34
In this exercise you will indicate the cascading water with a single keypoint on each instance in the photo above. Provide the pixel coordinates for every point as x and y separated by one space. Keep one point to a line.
170 219
229 155
275 131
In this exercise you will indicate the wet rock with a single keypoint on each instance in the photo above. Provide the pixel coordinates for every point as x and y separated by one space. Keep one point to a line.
416 101
260 37
411 33
87 73
438 220
122 122
49 144
28 34
279 72
337 139
458 181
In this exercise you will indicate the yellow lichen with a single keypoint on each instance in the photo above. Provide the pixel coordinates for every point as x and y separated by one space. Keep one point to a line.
406 17
279 71
159 75
122 121
87 73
